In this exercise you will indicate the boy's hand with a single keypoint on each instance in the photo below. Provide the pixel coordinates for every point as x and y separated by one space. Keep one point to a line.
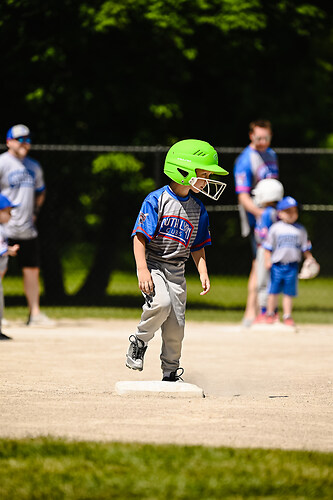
205 284
145 280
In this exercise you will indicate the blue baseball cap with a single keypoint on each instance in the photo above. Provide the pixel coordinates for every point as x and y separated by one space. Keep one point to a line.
5 202
286 202
18 131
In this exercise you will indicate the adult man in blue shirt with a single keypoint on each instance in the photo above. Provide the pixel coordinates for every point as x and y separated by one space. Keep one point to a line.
256 162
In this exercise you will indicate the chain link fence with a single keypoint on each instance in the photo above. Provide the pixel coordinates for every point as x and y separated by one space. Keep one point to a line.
79 240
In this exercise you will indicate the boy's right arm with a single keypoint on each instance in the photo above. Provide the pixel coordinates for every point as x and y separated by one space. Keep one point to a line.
146 284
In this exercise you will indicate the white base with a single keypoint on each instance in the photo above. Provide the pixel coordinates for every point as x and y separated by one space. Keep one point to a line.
177 389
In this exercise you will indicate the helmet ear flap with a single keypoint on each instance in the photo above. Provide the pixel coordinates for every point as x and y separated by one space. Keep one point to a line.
182 172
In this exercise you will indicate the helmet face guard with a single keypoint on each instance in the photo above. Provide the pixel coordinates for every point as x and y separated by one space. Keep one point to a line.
213 189
185 157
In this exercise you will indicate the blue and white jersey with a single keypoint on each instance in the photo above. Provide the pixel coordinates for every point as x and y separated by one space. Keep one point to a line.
252 166
3 241
263 223
287 242
19 182
173 226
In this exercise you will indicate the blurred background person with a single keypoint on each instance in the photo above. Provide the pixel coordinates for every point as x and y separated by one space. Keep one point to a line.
22 182
267 193
5 214
256 162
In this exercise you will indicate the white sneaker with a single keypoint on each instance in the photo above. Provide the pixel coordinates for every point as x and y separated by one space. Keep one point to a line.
40 320
135 353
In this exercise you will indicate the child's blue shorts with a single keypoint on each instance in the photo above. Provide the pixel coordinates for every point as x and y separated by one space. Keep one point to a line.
284 278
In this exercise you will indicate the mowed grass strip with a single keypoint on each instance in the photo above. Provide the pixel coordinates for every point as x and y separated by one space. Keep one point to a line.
57 469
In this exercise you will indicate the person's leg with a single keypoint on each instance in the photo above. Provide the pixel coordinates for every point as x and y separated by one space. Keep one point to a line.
289 292
31 289
275 288
272 302
28 259
262 279
287 304
2 335
154 312
1 300
3 269
251 308
173 327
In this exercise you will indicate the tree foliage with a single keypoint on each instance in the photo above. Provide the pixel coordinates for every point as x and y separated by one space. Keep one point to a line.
151 71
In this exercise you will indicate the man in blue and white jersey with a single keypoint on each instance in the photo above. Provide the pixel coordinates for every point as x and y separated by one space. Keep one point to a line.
257 161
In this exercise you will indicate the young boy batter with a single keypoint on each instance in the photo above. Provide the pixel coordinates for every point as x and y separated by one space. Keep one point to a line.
171 225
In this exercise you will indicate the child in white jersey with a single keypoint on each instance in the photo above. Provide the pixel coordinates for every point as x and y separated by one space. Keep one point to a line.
171 225
266 195
5 250
286 242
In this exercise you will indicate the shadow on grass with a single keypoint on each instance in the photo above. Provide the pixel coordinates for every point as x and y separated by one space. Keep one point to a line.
135 302
123 301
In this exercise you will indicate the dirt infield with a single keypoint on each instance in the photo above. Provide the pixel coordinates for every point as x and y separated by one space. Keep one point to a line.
269 389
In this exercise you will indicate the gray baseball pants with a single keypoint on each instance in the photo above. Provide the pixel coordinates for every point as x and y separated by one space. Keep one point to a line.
165 310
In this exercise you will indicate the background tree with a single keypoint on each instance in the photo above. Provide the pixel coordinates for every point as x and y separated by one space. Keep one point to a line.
146 72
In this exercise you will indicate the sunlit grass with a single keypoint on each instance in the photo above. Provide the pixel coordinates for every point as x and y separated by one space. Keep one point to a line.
57 469
224 303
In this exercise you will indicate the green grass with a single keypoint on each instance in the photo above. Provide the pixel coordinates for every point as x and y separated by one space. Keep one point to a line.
56 469
224 303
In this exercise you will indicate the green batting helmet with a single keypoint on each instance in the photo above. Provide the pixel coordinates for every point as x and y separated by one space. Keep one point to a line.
184 157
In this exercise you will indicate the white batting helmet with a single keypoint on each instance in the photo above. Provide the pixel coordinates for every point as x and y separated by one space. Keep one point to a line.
268 191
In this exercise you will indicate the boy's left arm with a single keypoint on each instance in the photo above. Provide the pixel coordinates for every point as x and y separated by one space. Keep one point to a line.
199 257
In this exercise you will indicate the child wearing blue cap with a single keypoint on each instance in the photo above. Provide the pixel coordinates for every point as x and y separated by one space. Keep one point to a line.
5 250
286 243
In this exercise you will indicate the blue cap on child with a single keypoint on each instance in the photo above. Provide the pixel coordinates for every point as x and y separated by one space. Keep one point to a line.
5 202
286 202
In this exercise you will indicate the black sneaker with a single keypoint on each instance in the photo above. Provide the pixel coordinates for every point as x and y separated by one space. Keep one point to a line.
135 353
4 337
174 376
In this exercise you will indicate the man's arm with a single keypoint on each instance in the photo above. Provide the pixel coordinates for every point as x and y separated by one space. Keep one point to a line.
39 201
246 201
